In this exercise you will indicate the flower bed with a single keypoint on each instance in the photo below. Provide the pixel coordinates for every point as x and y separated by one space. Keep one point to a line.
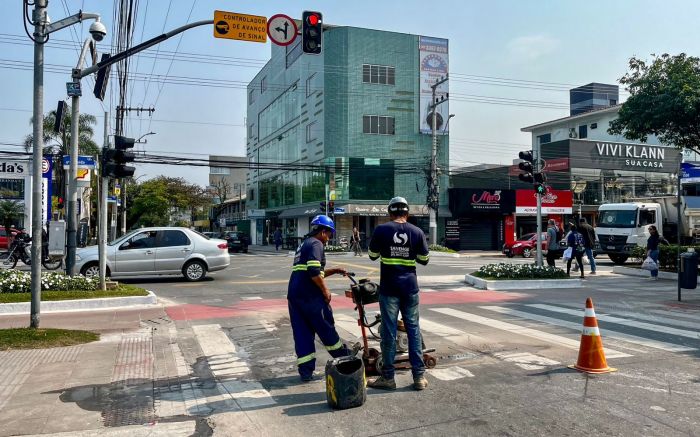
330 248
15 281
438 248
504 271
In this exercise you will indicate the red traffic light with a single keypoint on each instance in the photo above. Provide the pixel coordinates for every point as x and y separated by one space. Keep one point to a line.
313 19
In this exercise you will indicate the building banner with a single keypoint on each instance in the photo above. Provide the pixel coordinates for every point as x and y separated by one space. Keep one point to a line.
690 173
623 156
554 202
46 183
465 201
434 65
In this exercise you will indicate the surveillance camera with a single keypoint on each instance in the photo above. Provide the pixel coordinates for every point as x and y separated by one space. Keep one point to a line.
98 31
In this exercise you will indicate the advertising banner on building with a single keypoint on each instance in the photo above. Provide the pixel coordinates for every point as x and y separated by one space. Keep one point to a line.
623 156
554 202
434 65
464 201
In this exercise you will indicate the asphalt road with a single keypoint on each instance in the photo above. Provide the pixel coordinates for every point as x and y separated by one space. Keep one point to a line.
502 356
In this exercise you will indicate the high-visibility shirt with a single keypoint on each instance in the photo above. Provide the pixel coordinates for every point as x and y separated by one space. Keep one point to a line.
399 246
309 261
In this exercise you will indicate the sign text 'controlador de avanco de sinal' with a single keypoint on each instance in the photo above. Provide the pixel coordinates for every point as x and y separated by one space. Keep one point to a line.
242 27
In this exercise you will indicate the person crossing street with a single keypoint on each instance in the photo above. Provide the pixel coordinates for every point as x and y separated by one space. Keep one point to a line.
399 245
589 239
309 299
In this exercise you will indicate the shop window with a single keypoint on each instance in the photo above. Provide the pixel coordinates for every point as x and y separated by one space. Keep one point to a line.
583 131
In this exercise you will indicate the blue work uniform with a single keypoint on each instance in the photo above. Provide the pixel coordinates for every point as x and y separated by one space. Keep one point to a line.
400 246
309 313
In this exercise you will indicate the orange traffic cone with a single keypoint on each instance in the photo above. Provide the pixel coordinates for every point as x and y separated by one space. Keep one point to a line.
591 357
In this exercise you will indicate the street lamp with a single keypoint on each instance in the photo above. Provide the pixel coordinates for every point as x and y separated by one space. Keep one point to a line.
42 29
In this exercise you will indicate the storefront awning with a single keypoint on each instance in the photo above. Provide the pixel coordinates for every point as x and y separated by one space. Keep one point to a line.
307 211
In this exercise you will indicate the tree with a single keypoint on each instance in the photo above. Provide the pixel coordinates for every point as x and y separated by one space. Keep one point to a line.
155 201
10 213
664 101
60 142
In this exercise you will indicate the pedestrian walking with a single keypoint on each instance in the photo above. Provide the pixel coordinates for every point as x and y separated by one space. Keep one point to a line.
277 236
400 245
309 299
553 238
589 239
653 248
355 241
576 245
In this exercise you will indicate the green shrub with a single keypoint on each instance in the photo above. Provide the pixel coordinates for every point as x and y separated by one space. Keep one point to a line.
519 271
15 281
330 248
668 255
438 248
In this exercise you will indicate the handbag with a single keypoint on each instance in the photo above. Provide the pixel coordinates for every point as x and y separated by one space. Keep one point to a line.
649 264
568 253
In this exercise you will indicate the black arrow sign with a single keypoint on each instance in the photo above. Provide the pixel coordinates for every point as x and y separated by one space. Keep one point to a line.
284 31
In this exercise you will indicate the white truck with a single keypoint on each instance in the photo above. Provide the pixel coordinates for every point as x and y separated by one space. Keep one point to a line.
623 226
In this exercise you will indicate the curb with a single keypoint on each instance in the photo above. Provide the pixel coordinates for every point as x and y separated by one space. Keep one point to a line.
80 304
530 284
631 271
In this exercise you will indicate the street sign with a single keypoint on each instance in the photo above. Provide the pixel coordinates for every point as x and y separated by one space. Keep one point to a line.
83 161
282 29
73 89
231 25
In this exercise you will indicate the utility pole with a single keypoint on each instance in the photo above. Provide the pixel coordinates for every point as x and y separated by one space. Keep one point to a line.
434 188
39 18
102 233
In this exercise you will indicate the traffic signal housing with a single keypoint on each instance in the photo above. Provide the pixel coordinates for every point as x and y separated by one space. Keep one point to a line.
311 32
526 167
114 160
323 206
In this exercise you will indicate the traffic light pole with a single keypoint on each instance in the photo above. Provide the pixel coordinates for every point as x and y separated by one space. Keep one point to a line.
536 163
102 233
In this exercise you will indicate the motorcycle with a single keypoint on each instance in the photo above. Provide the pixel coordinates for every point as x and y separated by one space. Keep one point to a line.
20 250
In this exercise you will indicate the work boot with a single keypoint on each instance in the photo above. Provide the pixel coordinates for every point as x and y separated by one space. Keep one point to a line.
420 383
382 383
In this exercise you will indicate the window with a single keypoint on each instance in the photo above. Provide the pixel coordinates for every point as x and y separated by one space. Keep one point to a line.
583 131
143 240
647 217
546 138
377 124
613 102
219 170
293 51
310 132
379 74
251 130
594 125
263 84
251 96
12 189
173 238
309 85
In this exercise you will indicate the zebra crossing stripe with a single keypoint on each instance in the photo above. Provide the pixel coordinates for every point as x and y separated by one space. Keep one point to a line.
526 360
627 322
670 347
449 333
450 373
521 330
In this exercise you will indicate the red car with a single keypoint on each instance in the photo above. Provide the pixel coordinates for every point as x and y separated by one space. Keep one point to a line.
524 245
3 237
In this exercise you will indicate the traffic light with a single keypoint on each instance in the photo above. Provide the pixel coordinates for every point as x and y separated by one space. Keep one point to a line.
323 207
526 167
114 160
311 32
540 187
331 206
60 203
102 78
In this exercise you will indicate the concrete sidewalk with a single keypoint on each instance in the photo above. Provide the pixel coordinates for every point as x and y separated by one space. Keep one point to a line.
109 387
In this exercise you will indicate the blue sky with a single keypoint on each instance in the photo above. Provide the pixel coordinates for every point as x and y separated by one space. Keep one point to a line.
542 47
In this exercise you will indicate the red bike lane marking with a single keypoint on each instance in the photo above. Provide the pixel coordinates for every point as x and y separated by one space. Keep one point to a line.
253 307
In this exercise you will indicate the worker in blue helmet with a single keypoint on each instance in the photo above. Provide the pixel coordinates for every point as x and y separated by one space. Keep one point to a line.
309 299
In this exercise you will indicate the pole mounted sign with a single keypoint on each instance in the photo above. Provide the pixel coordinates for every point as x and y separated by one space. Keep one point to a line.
231 25
282 29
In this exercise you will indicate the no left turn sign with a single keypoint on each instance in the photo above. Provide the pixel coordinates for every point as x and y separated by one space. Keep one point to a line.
281 29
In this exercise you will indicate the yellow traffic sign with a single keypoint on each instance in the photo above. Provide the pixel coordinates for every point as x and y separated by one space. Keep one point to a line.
232 25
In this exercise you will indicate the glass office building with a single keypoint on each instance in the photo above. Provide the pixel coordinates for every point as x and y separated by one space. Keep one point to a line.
349 126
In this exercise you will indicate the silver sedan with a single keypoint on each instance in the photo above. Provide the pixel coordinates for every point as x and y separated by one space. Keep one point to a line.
157 251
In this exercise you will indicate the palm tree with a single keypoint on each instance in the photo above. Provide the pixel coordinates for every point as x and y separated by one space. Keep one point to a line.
59 143
10 213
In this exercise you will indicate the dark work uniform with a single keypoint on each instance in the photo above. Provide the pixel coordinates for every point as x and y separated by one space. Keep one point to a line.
400 246
309 313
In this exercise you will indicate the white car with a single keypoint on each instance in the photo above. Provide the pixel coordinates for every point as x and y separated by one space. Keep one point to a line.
157 251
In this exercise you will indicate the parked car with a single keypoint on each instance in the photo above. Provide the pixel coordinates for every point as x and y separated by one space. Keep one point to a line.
524 246
237 241
157 251
209 234
3 237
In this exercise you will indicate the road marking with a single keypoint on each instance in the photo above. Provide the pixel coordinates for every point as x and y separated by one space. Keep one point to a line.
450 373
368 269
269 327
670 347
526 360
520 330
349 325
449 333
251 298
627 322
666 319
227 367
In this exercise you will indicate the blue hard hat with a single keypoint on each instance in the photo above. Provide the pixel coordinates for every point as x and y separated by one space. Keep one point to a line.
323 220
